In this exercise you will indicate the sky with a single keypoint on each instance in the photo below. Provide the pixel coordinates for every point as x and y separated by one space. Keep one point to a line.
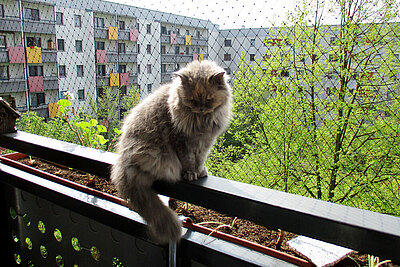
232 14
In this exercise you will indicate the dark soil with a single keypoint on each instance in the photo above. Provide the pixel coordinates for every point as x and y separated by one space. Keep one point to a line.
208 218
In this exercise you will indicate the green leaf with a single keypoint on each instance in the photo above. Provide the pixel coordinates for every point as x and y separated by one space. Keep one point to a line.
101 139
83 125
93 122
117 131
101 129
64 103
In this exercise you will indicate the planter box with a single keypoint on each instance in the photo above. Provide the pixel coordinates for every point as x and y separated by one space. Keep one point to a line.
45 232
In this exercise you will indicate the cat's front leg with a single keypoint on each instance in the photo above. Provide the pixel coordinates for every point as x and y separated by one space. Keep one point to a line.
189 167
202 172
190 176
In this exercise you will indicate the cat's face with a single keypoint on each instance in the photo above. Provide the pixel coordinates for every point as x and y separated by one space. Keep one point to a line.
202 95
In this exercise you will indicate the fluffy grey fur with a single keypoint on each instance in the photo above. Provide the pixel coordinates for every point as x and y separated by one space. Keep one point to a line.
168 137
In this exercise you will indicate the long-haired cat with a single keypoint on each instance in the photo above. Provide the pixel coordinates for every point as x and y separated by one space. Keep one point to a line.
168 137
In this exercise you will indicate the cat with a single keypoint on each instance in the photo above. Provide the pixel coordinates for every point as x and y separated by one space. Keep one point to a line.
168 137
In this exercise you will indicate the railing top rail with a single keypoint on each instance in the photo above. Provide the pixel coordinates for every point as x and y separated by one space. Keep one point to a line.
361 230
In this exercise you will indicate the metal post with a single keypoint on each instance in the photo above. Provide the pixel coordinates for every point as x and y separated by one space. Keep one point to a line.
172 254
21 17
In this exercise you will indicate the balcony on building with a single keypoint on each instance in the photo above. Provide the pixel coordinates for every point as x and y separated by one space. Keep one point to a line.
12 85
49 56
176 58
40 26
180 40
10 24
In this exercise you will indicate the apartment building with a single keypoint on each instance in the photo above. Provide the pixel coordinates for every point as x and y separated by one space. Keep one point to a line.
375 63
50 47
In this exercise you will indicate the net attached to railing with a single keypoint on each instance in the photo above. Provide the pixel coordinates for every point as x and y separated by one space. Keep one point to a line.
315 83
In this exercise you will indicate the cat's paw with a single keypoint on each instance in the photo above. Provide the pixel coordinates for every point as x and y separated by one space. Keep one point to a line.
203 172
189 176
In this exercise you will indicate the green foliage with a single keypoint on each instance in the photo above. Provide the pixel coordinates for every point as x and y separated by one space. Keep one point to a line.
319 119
82 130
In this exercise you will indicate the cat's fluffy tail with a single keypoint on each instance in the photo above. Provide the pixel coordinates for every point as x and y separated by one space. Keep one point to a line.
135 186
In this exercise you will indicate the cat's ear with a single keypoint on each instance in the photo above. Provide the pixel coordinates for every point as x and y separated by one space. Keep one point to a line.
183 77
218 78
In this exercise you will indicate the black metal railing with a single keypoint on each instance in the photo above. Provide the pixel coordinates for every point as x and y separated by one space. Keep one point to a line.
361 230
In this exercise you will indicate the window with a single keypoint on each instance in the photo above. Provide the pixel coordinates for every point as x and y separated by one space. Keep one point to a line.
177 50
78 21
149 68
121 48
187 32
101 70
163 50
198 34
121 68
35 70
37 99
61 71
3 42
164 30
98 22
252 57
187 50
60 45
284 73
227 57
32 14
33 41
81 94
148 28
138 48
4 73
1 10
123 90
148 49
78 46
228 43
138 69
79 70
99 45
149 88
121 25
59 18
252 42
163 68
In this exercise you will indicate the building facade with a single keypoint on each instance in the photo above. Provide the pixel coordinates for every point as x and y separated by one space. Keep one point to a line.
48 48
52 47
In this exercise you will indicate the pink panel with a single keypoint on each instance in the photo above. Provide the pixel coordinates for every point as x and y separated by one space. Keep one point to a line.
195 57
101 56
124 78
173 38
134 35
35 83
16 54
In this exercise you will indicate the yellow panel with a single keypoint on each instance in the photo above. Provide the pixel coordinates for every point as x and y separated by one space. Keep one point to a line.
53 110
34 55
201 57
114 79
113 33
188 40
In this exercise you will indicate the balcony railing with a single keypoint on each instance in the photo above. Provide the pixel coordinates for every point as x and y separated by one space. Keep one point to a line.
361 230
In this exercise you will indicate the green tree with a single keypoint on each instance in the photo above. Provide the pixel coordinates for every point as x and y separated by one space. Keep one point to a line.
318 114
